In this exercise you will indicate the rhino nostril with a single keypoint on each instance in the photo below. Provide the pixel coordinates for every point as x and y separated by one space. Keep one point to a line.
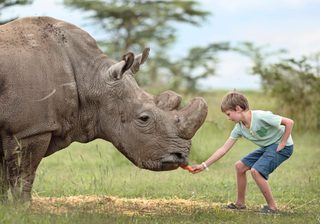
178 155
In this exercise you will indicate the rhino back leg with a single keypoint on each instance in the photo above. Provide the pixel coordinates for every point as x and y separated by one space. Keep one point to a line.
22 157
4 185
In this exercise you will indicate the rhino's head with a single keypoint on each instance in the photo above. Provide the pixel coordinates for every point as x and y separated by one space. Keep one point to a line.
151 131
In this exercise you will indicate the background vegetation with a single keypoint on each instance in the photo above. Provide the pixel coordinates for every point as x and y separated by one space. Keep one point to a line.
133 24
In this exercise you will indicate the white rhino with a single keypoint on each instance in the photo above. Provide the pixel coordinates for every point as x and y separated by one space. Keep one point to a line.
57 87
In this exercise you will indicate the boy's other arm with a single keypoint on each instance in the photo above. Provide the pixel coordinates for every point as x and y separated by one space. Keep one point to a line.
288 124
216 155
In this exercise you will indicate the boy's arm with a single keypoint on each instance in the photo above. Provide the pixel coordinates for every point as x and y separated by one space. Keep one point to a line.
288 124
215 156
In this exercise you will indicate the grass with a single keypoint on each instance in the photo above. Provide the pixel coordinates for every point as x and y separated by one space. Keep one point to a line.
97 168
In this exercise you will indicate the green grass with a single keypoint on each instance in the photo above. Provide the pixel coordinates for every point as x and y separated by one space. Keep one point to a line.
98 168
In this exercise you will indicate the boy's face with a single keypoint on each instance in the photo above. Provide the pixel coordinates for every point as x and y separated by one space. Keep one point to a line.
234 115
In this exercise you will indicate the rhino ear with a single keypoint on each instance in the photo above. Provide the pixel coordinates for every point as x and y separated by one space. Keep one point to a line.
139 60
117 70
129 59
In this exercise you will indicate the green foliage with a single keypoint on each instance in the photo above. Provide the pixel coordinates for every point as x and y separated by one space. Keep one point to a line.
4 4
298 88
294 83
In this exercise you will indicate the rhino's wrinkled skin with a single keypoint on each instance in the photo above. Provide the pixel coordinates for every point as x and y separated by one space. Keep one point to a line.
57 87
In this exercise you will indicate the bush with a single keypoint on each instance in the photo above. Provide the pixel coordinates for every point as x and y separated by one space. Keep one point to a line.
296 86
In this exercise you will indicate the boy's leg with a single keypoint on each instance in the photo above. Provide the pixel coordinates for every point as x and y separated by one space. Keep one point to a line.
267 163
242 167
265 188
241 170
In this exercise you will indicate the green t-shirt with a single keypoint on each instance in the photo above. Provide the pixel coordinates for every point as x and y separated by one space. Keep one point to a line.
265 129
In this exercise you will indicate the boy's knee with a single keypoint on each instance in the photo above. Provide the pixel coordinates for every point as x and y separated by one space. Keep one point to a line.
241 167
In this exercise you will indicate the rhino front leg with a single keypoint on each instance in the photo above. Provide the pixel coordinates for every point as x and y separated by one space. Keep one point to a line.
22 159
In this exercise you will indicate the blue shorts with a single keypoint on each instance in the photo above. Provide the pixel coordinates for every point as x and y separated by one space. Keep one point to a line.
266 159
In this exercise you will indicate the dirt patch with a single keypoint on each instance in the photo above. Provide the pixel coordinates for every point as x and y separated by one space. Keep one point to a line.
110 204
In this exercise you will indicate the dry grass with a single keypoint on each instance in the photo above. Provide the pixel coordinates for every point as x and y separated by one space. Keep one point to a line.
110 204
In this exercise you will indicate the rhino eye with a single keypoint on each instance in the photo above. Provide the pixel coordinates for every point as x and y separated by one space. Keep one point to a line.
145 122
144 118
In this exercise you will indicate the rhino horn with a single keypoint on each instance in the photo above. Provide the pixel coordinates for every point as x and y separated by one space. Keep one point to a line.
117 70
191 117
168 100
139 60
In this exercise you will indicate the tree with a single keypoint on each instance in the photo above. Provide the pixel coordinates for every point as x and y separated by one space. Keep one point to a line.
4 4
134 24
199 63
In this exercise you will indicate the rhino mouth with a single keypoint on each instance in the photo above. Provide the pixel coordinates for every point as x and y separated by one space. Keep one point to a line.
171 161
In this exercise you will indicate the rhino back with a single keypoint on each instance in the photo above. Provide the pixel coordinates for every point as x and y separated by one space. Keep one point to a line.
43 65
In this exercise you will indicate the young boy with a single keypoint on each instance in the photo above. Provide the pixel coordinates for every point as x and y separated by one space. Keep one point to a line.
272 133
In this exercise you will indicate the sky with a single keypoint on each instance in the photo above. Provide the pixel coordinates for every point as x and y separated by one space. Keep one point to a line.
280 24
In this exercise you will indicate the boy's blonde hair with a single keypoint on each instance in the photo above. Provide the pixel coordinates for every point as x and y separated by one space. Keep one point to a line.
233 99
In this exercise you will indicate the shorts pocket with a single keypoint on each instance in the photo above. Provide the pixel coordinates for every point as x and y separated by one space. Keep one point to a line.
286 151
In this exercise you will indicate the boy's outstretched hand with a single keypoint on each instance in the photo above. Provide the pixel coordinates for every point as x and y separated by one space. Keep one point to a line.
197 168
193 169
